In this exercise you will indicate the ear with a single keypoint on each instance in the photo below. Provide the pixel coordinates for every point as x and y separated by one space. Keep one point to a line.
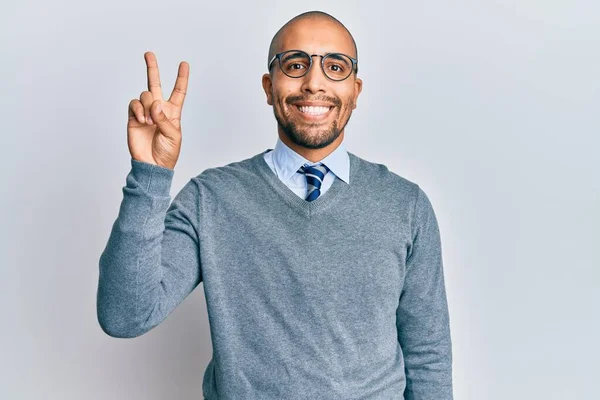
357 90
267 85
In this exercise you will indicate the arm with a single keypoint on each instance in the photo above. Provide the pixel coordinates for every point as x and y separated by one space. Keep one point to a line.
151 261
422 317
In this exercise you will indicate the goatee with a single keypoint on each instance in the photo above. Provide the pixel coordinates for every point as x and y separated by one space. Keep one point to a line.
306 136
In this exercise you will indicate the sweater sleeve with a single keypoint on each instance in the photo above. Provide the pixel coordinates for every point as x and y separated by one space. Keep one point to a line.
151 262
422 316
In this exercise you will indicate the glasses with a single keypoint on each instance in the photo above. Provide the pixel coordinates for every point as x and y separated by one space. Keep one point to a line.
297 63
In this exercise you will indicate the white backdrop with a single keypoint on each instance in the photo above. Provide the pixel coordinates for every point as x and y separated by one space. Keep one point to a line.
490 106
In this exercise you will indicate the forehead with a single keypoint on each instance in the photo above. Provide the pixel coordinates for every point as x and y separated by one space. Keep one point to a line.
316 36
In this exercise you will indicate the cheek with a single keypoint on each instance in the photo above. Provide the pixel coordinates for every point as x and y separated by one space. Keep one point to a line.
283 90
351 104
279 99
348 105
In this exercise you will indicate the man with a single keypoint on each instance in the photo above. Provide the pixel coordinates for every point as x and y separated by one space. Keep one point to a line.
322 271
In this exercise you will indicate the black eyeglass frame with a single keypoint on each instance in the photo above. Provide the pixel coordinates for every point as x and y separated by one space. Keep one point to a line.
310 57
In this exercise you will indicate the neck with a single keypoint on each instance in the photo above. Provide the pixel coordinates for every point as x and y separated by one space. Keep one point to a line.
312 155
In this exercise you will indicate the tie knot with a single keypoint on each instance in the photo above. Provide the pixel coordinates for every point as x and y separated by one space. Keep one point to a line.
319 169
314 178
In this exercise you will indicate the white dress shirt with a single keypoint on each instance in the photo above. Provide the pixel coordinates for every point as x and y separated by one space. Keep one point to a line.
285 162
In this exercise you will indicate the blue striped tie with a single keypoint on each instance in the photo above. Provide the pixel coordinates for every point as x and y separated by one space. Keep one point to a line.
314 178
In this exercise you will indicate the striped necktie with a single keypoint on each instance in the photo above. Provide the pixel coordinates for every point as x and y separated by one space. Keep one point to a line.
314 178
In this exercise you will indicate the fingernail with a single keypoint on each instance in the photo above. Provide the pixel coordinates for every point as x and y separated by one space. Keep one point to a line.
159 108
150 120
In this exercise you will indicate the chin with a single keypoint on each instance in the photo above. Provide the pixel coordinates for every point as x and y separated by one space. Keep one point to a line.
311 138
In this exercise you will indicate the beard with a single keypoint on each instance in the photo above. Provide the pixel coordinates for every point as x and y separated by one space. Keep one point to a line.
312 135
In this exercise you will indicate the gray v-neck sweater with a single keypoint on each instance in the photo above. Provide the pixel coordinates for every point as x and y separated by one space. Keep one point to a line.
339 298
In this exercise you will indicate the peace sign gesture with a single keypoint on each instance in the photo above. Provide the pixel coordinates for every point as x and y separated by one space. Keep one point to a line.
154 125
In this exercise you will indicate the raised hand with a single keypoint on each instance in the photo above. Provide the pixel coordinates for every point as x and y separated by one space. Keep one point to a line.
154 125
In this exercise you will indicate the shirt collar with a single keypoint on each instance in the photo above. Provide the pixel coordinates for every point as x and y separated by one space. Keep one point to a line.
287 161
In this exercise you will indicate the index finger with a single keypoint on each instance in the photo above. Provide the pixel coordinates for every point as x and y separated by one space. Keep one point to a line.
181 84
153 75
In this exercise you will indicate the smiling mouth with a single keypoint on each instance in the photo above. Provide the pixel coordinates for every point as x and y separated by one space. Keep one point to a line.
314 111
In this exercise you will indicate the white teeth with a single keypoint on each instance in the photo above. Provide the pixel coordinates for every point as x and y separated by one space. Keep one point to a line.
313 110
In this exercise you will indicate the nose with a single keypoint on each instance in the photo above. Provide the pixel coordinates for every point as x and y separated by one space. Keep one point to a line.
315 80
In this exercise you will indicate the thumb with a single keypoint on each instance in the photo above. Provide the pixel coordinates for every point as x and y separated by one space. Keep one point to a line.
161 120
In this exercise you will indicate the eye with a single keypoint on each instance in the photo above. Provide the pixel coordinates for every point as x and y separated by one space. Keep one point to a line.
336 68
296 66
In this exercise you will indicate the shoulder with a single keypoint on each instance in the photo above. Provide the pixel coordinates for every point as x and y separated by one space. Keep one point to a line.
229 175
377 176
391 185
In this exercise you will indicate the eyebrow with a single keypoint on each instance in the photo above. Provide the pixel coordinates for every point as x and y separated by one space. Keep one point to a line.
338 57
292 55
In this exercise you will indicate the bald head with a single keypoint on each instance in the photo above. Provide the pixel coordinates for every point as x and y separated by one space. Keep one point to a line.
312 16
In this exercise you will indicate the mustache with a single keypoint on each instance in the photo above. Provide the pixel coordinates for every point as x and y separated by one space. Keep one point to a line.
334 100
